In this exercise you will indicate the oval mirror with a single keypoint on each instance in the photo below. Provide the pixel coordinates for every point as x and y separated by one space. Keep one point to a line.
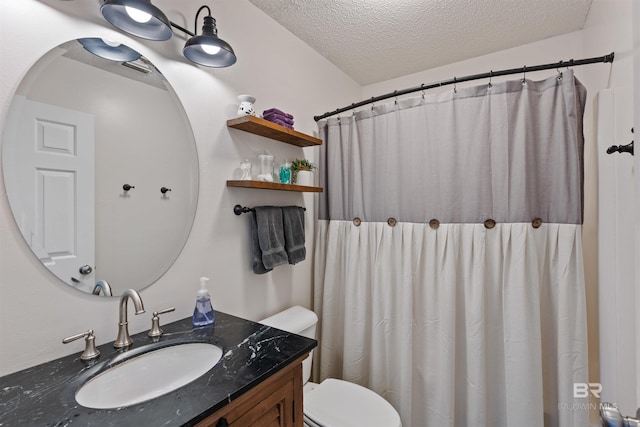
100 167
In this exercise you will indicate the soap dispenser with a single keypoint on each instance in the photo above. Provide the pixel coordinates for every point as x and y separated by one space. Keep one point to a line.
203 313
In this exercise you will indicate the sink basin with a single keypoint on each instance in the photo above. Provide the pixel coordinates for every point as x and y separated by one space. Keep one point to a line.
148 375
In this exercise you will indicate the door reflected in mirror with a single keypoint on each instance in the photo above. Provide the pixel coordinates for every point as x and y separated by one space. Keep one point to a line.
88 145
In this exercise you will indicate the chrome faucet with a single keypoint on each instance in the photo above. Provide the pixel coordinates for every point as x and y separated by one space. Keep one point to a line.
611 417
124 340
103 286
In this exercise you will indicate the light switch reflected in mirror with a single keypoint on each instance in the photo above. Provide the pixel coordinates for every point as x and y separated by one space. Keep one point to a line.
78 128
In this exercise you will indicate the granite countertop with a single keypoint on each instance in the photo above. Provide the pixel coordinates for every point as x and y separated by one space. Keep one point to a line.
43 395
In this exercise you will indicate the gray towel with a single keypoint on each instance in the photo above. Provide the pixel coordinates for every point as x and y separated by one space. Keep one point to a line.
271 236
293 218
258 266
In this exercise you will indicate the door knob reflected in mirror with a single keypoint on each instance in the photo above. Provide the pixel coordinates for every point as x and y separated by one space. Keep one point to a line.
86 269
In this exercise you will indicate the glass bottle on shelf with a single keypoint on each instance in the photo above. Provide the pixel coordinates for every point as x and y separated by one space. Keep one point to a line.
285 172
245 167
266 167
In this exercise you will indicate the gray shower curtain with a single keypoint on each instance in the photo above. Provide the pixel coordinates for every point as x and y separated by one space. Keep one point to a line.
448 272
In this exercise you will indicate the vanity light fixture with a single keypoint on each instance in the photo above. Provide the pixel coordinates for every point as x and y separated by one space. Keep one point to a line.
142 19
207 49
107 49
138 17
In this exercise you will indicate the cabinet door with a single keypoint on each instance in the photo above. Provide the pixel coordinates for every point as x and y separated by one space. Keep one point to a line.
277 402
274 411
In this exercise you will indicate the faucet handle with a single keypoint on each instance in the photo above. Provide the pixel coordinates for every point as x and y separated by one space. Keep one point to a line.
155 330
90 351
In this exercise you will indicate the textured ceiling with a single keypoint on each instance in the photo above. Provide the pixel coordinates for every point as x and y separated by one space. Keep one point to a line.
376 40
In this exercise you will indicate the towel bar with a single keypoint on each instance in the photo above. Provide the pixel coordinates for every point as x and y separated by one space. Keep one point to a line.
239 210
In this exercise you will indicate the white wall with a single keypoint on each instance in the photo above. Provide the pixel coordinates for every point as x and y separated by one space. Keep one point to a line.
608 28
37 310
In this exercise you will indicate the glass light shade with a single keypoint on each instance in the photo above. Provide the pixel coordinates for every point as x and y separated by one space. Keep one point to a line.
108 50
138 17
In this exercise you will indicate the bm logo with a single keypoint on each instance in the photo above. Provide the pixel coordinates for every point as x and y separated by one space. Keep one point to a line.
582 390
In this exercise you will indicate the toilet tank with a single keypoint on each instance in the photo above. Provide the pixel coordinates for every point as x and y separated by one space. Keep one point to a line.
297 320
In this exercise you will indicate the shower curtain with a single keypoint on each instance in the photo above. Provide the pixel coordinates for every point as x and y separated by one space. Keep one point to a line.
448 264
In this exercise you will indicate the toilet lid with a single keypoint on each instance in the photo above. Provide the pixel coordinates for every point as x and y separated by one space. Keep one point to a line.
337 403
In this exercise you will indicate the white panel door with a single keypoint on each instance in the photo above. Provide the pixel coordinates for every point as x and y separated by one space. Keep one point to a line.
616 249
53 200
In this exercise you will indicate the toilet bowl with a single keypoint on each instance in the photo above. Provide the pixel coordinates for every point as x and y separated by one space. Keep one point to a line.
333 402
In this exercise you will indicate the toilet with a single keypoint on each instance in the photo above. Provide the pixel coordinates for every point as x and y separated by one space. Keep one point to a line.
333 402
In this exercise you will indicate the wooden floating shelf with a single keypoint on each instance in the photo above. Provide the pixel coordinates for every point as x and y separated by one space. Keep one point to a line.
273 186
262 127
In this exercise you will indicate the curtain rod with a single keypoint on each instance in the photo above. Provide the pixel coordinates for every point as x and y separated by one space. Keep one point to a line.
239 209
525 69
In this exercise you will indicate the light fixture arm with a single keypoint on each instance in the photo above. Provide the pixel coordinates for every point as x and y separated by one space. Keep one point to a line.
195 26
184 30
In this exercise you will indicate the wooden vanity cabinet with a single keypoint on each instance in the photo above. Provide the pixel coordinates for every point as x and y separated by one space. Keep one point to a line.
276 402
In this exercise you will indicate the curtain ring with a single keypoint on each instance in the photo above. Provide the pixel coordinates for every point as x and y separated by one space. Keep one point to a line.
490 77
455 89
536 223
489 224
357 221
434 223
396 97
422 86
524 75
373 104
392 222
558 70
